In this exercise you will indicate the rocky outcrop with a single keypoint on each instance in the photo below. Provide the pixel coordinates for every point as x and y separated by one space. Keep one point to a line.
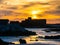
4 43
52 29
52 37
13 29
22 41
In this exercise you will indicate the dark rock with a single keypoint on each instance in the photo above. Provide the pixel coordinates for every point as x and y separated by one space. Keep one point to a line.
22 41
52 29
36 40
52 37
13 29
4 43
55 29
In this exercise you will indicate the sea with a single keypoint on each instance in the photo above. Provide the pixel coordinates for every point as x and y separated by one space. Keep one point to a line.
31 40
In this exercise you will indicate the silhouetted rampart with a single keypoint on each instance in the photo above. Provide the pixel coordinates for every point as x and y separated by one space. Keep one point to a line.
34 23
4 21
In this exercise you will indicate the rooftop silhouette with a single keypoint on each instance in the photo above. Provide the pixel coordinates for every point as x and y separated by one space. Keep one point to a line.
34 22
28 23
4 21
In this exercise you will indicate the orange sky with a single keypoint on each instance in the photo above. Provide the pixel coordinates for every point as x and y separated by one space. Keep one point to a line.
36 9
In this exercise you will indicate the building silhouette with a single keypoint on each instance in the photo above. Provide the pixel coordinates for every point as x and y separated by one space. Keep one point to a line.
33 23
27 23
15 22
4 21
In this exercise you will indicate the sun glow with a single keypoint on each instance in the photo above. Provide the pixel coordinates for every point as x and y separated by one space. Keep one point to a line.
34 17
34 13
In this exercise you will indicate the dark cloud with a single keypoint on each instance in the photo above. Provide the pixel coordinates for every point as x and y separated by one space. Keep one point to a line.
13 8
42 3
58 7
5 12
1 1
55 8
8 12
34 3
25 6
57 12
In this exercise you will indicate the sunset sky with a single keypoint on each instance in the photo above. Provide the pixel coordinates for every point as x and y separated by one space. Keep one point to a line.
36 9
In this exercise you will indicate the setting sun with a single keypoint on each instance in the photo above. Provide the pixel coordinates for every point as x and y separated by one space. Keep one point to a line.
35 12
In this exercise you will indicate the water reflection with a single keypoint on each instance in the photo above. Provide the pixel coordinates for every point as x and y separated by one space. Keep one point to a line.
16 42
34 39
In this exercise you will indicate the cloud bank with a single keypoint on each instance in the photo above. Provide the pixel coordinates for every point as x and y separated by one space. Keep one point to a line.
23 7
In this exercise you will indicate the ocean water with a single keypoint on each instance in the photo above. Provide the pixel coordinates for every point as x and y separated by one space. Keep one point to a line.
39 32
